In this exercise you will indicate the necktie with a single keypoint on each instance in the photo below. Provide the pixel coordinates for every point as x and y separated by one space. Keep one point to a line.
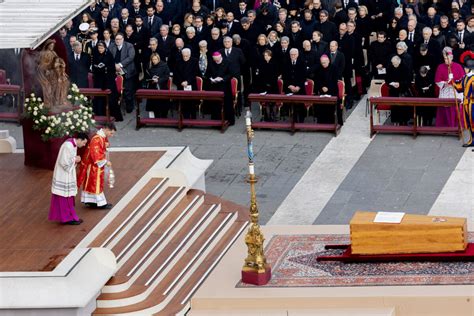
294 62
460 36
284 50
227 52
77 57
426 42
149 20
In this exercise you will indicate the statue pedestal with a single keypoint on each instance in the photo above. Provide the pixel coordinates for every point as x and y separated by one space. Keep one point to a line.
39 153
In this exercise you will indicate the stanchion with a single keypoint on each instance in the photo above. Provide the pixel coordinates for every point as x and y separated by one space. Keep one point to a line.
255 270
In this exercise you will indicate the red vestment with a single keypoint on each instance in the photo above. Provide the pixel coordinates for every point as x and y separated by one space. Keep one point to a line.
91 171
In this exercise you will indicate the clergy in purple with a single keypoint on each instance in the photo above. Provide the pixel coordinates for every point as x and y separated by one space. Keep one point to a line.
64 186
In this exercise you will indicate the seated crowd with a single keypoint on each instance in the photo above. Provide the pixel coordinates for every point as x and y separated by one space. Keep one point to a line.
413 45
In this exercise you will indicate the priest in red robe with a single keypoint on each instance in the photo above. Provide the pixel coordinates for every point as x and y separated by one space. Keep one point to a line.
92 170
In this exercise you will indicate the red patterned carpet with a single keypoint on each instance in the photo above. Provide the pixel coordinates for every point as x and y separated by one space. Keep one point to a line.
293 261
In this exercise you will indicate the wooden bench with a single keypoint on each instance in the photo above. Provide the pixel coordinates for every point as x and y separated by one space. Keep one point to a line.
292 100
179 96
387 102
95 92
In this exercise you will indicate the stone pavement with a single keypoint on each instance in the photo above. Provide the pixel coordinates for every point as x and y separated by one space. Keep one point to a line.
395 173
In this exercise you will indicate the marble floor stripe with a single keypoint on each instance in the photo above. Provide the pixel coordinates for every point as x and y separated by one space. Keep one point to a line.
308 198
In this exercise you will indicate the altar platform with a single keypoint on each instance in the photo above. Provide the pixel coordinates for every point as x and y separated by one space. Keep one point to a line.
28 241
302 286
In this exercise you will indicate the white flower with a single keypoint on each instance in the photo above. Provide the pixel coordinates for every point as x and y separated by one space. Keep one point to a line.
32 95
83 129
76 98
39 99
63 114
35 113
33 99
41 105
93 121
35 108
66 124
67 132
41 120
78 124
81 96
84 123
27 100
85 98
52 124
36 122
47 131
69 97
43 117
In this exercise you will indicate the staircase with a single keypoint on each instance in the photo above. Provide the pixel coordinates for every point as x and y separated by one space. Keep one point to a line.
167 239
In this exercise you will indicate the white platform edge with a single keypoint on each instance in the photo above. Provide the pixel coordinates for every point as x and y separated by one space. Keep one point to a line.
74 290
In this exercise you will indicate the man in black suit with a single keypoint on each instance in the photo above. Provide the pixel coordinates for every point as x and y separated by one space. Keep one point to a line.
79 65
346 45
242 12
152 22
296 37
114 9
124 55
337 59
125 20
433 45
141 32
184 77
234 56
93 10
249 31
294 79
165 43
136 10
378 55
233 26
172 11
236 59
104 21
202 31
326 27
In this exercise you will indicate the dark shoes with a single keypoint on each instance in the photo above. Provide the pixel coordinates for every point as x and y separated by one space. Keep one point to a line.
73 222
107 206
468 145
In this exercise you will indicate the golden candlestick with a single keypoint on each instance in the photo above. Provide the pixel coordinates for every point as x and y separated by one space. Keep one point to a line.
255 270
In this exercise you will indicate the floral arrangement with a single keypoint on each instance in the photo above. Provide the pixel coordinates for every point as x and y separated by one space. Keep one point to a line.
67 123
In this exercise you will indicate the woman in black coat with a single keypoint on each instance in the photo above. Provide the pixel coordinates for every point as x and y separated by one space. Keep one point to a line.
266 80
156 77
103 74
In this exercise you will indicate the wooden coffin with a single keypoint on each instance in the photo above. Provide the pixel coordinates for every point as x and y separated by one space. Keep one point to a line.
415 234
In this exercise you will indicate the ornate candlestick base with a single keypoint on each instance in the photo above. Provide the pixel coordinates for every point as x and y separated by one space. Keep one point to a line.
251 276
255 270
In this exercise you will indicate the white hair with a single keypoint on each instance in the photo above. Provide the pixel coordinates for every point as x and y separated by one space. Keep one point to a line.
186 50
